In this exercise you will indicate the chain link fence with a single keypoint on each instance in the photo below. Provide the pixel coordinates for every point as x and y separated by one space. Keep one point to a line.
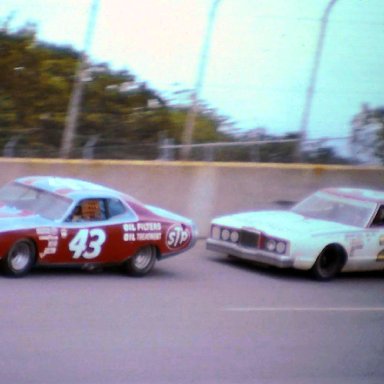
279 151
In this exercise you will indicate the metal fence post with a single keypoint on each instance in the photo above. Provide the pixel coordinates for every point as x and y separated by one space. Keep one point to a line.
89 147
10 146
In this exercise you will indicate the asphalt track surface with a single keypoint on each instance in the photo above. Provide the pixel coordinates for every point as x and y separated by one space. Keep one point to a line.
198 318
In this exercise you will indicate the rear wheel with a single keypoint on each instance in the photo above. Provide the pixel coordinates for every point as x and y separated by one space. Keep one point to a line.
20 258
142 262
328 264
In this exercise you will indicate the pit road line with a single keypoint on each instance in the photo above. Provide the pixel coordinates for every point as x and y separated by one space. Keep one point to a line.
303 309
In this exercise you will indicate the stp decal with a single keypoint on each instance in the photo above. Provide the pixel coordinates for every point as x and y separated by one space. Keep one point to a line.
177 236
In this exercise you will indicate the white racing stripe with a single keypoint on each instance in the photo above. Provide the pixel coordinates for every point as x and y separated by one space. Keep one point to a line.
304 309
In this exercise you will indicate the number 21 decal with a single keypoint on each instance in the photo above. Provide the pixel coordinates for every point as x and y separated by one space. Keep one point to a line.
87 243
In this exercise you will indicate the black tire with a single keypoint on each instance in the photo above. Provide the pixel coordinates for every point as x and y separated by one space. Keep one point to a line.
328 264
20 258
142 262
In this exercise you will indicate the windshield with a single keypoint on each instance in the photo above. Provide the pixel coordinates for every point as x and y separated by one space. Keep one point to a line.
40 202
325 206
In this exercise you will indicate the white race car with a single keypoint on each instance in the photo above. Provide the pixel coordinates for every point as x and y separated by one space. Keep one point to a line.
334 230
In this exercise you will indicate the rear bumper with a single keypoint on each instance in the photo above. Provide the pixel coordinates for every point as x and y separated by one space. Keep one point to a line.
194 238
251 254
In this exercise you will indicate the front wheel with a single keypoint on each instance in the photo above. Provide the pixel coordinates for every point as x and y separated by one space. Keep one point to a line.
20 258
142 262
328 264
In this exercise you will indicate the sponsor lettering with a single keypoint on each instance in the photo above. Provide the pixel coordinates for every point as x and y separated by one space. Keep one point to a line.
130 227
142 231
50 235
48 251
47 231
149 236
148 226
129 236
177 236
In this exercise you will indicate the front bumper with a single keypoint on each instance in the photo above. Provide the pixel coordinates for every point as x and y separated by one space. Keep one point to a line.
248 253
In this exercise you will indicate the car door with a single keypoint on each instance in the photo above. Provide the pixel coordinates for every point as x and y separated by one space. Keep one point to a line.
95 232
367 253
83 236
371 254
376 240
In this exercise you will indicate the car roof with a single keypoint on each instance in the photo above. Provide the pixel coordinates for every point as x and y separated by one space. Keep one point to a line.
69 187
360 194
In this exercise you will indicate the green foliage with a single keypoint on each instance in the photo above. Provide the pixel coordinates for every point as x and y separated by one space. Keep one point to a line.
34 88
121 117
36 81
206 127
368 133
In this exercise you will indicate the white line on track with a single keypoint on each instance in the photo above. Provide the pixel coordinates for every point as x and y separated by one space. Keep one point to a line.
304 309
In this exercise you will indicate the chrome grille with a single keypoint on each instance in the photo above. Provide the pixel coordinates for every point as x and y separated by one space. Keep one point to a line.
249 239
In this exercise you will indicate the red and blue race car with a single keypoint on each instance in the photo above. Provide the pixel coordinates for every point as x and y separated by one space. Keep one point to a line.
63 221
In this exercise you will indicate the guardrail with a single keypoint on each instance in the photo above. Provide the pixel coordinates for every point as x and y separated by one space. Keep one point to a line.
96 147
202 190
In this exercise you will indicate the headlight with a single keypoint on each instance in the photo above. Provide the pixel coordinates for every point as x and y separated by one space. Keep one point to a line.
281 247
225 234
215 232
274 245
234 236
270 245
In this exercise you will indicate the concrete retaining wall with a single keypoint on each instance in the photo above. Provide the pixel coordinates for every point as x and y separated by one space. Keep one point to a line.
202 190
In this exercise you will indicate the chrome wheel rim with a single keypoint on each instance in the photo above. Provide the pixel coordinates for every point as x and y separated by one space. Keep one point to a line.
20 257
143 259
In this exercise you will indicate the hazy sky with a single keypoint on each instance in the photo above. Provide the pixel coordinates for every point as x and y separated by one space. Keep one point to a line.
260 58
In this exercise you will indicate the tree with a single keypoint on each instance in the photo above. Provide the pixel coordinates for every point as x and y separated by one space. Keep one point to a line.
34 87
121 116
368 134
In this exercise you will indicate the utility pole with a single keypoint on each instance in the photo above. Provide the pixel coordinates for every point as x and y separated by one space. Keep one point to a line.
73 110
192 113
312 81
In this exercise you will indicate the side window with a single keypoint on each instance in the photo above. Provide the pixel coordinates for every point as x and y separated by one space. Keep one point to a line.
115 207
378 221
89 210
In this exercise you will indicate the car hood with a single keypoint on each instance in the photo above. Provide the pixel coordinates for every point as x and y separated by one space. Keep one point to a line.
281 223
13 218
